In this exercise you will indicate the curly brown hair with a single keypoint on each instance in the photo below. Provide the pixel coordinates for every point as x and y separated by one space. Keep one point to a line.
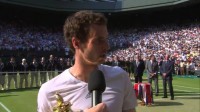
78 25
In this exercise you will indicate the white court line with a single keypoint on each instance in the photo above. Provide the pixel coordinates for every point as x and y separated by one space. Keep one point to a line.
5 107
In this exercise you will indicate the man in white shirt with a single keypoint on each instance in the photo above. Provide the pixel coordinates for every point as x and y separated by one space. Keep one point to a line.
87 35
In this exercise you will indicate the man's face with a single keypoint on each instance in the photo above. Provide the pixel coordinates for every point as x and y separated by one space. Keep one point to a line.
43 59
166 57
137 57
34 60
51 57
12 60
95 49
23 61
152 58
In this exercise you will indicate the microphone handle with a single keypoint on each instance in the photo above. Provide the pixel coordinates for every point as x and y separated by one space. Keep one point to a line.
96 97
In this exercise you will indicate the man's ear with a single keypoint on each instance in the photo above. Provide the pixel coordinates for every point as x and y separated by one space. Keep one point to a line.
75 43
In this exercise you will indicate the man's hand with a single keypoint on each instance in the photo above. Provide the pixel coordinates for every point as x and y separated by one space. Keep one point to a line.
164 75
98 108
152 75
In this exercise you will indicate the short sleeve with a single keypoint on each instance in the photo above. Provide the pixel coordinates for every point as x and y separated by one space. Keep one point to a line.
42 102
130 100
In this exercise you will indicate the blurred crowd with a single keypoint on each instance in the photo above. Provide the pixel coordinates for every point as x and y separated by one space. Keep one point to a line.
181 42
21 36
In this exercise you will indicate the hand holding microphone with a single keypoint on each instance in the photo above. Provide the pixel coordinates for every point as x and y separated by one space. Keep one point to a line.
101 107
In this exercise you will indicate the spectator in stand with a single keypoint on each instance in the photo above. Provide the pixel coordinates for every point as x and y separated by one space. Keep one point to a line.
116 61
187 67
108 61
177 67
182 67
191 68
171 39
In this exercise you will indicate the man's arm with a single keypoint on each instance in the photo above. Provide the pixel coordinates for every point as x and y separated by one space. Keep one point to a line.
170 68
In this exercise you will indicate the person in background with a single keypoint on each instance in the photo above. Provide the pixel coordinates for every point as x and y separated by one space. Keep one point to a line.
160 61
61 65
152 72
43 70
69 63
23 73
34 68
166 70
182 67
187 67
108 61
87 35
51 67
12 69
115 61
2 74
191 68
177 67
138 66
131 67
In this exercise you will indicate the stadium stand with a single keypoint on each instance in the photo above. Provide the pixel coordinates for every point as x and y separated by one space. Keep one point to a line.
27 34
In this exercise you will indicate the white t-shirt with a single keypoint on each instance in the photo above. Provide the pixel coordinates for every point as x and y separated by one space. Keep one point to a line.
119 94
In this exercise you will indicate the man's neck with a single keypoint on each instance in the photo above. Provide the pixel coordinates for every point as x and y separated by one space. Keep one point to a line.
81 70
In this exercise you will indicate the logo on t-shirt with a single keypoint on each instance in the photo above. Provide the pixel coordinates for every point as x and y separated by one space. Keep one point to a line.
88 95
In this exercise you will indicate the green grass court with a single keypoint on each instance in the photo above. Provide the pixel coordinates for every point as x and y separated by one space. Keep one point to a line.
186 91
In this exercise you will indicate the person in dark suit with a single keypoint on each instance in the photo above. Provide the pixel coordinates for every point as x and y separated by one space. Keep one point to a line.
128 66
139 67
34 66
152 72
43 70
12 68
166 70
115 61
51 67
2 75
24 71
61 66
108 61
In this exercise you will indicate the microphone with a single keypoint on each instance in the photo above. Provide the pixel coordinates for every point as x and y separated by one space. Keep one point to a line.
96 86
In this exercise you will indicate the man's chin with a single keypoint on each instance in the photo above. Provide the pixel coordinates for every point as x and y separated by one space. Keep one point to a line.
100 61
97 62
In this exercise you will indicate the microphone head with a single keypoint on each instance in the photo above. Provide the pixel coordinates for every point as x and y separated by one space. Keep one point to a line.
96 81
